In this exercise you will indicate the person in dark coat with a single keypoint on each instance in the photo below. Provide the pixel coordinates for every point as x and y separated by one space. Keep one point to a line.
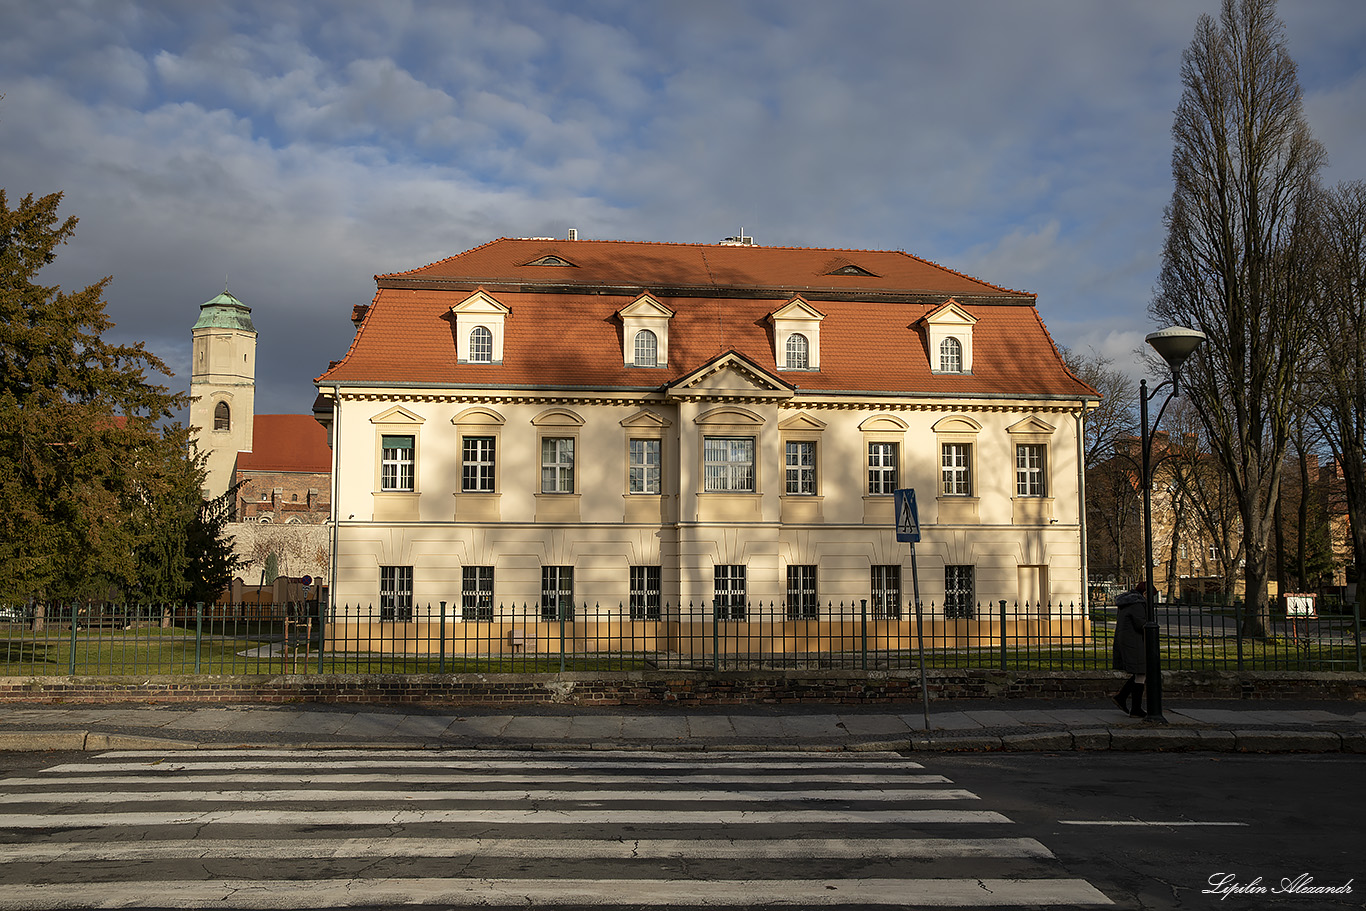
1129 653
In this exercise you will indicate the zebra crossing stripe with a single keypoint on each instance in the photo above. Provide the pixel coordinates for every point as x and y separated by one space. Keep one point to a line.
280 795
182 777
558 849
343 893
499 758
442 761
408 816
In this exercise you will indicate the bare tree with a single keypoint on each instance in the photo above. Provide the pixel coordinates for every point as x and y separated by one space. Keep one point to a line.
1244 167
1341 317
1116 416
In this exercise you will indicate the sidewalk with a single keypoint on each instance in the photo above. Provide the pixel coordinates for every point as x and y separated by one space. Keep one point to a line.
975 725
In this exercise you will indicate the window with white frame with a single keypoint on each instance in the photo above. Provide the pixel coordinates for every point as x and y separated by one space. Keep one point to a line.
645 466
802 600
644 592
950 356
1029 470
481 345
882 465
557 465
396 593
956 470
557 593
646 349
476 593
396 462
798 352
478 465
728 591
886 590
728 464
801 467
959 597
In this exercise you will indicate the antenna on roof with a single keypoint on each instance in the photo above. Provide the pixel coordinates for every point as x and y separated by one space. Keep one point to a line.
740 240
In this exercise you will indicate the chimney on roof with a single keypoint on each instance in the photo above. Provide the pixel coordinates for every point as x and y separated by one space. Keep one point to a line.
740 240
573 233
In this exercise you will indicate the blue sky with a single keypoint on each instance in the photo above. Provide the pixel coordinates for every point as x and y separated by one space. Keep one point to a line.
295 149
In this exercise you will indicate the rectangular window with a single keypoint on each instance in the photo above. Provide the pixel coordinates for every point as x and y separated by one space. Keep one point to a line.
957 470
396 593
959 603
729 464
887 592
477 465
557 592
476 592
801 593
396 463
882 468
644 592
729 592
645 466
557 465
1029 478
801 468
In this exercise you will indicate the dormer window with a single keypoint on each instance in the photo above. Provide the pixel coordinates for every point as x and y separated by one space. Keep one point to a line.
647 349
851 269
550 260
797 336
479 329
481 345
950 356
948 338
645 333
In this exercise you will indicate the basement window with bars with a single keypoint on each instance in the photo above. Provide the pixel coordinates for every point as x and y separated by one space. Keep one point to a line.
802 603
557 593
959 603
728 590
886 592
644 592
476 593
396 593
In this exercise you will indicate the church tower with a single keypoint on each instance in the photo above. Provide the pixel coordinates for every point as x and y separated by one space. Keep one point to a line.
223 384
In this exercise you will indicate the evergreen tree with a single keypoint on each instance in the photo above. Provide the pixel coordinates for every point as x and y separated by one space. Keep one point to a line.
89 473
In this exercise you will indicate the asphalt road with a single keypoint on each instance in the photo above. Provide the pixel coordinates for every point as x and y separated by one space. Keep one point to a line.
1159 830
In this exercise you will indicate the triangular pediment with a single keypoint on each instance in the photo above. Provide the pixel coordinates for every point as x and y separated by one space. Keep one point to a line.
645 307
480 302
397 415
645 420
801 421
950 313
1031 424
730 376
797 308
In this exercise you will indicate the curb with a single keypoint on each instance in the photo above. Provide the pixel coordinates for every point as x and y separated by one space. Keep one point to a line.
1095 740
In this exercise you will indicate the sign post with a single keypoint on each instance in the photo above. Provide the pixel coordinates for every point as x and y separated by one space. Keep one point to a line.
908 531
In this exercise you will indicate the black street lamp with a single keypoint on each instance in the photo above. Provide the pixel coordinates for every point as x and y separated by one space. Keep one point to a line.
1174 344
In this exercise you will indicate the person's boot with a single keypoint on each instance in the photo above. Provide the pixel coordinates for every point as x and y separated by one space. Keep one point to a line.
1121 698
1137 710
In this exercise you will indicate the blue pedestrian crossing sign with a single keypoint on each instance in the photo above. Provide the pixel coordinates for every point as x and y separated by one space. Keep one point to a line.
907 516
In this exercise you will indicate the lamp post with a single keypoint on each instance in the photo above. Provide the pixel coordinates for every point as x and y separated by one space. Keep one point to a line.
1174 344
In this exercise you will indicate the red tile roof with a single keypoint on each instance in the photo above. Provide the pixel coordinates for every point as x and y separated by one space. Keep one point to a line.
563 329
286 442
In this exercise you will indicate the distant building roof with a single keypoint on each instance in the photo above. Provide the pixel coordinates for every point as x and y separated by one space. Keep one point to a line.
224 312
287 442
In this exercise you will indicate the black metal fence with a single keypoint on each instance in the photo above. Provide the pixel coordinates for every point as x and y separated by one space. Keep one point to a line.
226 639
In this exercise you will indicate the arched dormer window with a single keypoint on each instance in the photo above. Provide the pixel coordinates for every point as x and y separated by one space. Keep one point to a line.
950 356
481 346
798 352
222 417
646 349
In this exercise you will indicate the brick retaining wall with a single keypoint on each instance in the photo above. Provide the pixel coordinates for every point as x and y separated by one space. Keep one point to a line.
670 688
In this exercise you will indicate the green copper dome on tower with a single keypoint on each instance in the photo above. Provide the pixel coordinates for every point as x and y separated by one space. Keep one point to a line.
224 312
